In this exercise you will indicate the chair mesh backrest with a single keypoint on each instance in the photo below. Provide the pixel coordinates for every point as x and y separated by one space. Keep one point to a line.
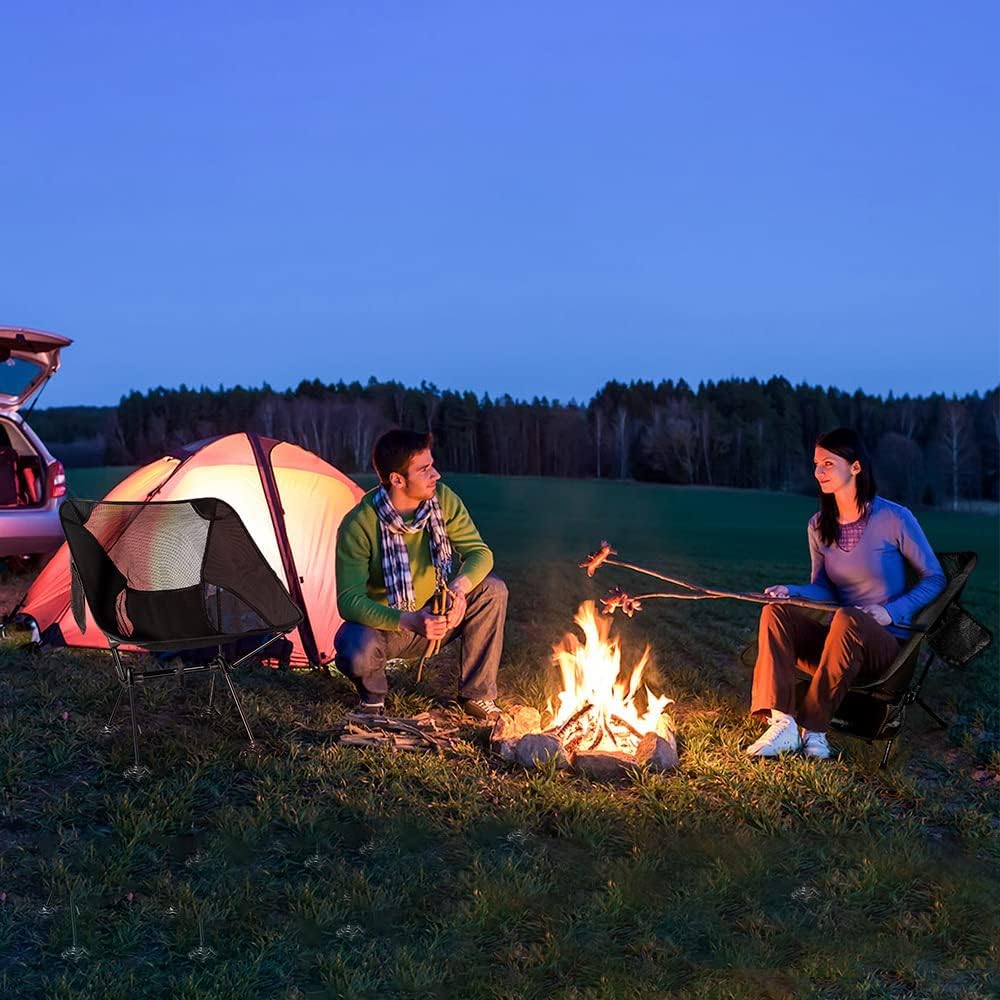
956 636
957 567
155 546
172 572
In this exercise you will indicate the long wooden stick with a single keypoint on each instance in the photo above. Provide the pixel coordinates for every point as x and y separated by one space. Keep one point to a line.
439 606
698 588
442 609
715 595
700 593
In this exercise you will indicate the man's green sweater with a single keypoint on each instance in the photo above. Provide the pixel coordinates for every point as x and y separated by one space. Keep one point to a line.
361 593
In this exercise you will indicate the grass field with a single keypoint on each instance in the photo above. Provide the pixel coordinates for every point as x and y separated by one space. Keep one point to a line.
315 871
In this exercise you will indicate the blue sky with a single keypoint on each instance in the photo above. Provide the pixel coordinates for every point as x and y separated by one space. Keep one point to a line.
523 198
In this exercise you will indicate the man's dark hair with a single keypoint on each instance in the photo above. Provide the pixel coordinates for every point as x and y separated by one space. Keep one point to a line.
846 443
394 449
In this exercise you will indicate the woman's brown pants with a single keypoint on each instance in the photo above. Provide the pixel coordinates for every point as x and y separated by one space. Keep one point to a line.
852 645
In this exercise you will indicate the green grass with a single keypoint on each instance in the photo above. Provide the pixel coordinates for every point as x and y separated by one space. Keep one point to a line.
462 877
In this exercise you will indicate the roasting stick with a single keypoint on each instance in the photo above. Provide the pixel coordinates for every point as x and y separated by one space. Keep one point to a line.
696 592
714 595
439 606
700 593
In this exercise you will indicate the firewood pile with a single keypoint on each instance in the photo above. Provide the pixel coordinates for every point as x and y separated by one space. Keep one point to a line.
588 728
600 747
420 732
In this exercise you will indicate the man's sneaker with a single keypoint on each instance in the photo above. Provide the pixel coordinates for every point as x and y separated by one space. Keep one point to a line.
781 737
481 708
364 707
815 745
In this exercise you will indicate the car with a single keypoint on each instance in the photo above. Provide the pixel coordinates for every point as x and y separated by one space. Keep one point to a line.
32 482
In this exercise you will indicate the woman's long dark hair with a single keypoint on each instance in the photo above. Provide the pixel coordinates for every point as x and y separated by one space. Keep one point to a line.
848 445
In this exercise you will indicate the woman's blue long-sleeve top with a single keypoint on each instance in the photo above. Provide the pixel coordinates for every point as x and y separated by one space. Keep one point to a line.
874 571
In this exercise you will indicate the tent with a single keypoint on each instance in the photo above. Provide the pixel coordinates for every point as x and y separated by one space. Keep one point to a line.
291 501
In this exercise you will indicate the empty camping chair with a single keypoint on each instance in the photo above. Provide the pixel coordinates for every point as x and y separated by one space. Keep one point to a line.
170 576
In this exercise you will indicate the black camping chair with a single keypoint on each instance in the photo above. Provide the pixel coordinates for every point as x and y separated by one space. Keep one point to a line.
874 709
172 576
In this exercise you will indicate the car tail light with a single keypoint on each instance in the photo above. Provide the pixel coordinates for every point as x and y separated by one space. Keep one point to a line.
57 480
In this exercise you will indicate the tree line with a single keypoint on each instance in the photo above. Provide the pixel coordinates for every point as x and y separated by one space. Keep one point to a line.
928 450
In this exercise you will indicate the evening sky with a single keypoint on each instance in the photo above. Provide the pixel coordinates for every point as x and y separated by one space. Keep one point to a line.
521 198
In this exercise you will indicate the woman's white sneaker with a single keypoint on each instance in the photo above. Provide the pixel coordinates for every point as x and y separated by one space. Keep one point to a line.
815 745
782 736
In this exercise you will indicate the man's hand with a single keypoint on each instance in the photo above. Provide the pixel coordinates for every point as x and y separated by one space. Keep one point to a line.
778 590
424 622
878 612
456 612
459 588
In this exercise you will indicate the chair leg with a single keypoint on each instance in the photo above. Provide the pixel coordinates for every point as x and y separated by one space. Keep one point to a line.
211 692
885 756
136 771
239 708
109 726
930 711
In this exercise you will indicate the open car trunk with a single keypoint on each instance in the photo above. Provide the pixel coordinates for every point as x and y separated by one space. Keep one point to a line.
22 471
28 359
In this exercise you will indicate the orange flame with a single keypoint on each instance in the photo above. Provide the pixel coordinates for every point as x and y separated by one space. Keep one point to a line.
591 675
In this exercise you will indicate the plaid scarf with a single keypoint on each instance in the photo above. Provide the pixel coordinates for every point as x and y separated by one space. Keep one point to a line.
395 558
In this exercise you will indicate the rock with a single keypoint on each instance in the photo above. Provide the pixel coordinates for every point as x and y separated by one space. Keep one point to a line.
658 753
517 721
506 748
665 728
537 748
603 765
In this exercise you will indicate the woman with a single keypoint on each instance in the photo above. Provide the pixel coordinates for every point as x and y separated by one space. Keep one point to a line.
860 545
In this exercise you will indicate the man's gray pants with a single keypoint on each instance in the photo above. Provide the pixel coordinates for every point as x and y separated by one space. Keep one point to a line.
362 651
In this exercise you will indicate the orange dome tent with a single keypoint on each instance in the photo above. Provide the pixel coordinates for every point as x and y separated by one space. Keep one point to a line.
291 501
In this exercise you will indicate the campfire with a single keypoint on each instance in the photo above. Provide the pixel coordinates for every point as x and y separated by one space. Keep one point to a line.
597 708
603 720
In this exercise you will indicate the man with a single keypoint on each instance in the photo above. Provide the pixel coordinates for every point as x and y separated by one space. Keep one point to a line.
394 549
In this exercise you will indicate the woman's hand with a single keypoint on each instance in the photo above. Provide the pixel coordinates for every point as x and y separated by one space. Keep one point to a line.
778 590
877 612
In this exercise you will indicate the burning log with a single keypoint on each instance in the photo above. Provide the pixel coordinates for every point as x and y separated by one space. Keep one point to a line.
625 724
597 725
569 723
